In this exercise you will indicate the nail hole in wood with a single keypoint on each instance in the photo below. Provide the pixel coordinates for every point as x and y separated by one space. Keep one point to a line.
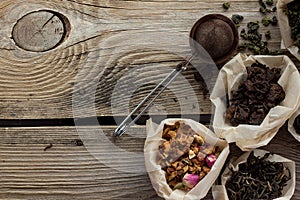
41 31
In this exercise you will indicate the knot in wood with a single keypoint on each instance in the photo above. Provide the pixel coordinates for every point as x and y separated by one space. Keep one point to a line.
40 31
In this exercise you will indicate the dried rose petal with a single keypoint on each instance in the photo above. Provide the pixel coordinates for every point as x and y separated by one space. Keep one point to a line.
190 180
210 160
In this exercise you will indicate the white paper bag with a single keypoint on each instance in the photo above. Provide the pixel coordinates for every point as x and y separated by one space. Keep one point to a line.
220 193
285 29
157 175
248 137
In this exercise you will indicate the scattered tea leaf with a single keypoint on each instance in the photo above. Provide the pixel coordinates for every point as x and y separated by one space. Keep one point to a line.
254 40
226 5
266 21
237 18
269 2
268 35
274 21
262 4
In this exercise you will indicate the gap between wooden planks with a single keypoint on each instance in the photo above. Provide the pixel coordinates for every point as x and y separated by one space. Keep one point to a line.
69 171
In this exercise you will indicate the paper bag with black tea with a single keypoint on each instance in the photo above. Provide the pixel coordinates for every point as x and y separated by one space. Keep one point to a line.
258 174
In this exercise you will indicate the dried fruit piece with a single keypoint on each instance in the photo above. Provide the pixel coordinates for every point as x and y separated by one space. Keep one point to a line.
206 169
182 156
207 149
199 139
201 156
191 154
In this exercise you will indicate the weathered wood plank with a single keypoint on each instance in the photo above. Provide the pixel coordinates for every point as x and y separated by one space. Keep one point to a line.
68 171
107 40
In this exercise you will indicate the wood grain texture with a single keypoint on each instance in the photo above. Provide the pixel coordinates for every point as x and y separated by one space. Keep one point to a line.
107 39
68 171
112 47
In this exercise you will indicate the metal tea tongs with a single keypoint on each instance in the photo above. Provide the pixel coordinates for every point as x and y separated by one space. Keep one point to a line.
127 122
197 50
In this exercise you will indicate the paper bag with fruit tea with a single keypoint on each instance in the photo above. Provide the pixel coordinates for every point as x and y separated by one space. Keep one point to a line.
285 175
233 90
294 124
285 29
183 158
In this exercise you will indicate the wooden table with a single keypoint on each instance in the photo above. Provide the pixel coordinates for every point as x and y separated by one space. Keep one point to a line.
64 60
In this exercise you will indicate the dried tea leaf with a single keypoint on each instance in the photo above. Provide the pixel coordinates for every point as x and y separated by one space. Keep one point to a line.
226 5
255 96
258 178
237 18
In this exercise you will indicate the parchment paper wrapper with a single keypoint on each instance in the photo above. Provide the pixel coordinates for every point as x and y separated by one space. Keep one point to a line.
285 29
157 175
248 137
220 193
291 127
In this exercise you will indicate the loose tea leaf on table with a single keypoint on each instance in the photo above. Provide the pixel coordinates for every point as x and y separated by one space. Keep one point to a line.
237 18
253 38
266 21
268 35
226 5
263 6
255 96
255 42
258 178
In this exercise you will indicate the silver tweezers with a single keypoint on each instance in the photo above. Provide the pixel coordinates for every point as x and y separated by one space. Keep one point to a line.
127 122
